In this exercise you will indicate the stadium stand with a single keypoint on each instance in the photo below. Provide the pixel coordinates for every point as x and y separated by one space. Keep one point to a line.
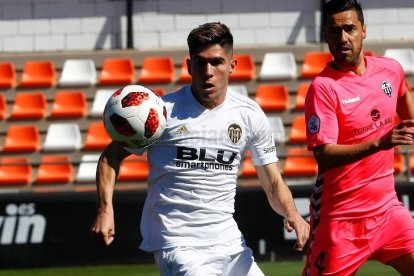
15 171
78 72
301 95
184 76
272 97
117 71
37 73
54 170
3 107
278 66
8 77
245 69
29 106
313 63
22 138
63 137
70 123
69 104
405 56
157 70
96 137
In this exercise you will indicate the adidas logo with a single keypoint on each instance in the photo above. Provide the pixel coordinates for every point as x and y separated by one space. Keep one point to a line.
182 130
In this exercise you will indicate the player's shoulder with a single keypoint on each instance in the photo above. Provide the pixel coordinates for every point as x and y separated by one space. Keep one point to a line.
176 96
383 61
241 101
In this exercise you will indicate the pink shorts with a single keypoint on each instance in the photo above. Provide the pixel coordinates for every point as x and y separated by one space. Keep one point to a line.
340 247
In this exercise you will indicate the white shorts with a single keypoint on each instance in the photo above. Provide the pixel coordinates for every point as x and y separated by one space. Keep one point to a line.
232 258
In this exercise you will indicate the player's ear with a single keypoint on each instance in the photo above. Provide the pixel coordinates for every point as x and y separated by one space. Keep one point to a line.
233 64
188 62
364 31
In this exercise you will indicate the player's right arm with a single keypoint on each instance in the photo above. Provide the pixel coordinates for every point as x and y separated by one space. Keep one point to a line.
103 228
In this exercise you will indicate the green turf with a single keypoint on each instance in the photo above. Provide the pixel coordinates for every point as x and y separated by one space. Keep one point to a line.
269 269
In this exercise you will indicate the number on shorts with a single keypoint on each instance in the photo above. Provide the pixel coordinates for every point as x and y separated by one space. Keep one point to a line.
319 262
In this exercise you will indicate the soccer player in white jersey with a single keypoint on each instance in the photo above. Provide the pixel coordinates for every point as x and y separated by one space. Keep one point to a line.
187 219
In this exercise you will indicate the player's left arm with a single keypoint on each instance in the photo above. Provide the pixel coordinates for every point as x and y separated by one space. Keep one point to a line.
405 105
281 200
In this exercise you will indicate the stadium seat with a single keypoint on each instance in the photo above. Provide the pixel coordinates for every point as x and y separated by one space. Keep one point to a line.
96 138
300 163
29 106
54 169
3 107
278 66
133 168
69 104
277 127
38 74
157 70
405 56
399 161
313 63
63 137
238 88
159 91
117 71
298 130
78 72
7 75
87 168
15 171
247 168
301 95
184 76
245 68
99 102
22 138
272 97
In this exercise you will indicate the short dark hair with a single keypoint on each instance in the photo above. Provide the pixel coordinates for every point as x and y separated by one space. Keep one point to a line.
336 6
209 34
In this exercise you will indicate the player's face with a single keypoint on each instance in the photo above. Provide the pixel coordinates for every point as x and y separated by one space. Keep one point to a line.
344 34
210 70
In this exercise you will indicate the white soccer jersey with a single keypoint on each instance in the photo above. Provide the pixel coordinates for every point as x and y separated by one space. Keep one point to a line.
193 169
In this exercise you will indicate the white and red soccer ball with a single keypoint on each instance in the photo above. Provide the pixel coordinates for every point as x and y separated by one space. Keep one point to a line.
135 116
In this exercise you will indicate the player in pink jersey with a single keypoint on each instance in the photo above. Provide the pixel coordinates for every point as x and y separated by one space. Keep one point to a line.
350 110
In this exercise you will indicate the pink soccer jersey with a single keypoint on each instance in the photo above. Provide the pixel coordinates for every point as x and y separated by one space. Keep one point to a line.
350 109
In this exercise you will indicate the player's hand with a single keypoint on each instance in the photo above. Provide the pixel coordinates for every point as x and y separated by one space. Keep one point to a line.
402 134
103 228
301 227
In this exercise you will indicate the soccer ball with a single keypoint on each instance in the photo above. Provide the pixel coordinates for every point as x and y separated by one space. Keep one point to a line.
134 116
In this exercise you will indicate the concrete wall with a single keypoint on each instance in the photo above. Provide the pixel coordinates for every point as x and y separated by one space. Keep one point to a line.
68 25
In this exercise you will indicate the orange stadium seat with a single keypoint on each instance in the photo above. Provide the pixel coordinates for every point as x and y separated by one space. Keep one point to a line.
247 169
117 71
159 91
3 107
133 168
7 75
399 162
272 97
157 70
15 171
313 63
69 104
54 169
300 163
22 138
96 138
29 106
38 74
184 76
298 130
245 68
301 96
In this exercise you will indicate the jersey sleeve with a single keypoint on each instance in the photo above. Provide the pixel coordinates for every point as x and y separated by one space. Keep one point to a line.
262 144
320 115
